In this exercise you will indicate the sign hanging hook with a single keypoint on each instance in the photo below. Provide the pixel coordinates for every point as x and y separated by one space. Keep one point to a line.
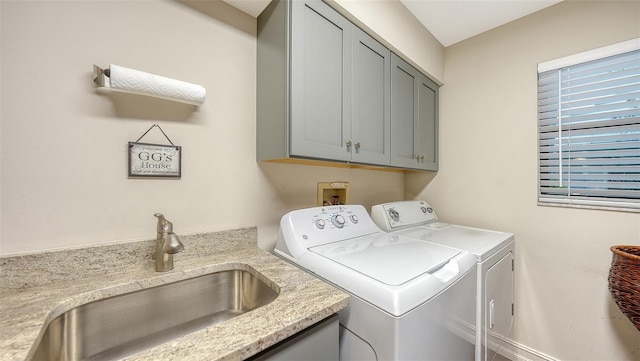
163 133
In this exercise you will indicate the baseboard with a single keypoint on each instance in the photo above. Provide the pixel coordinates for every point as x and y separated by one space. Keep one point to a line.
520 352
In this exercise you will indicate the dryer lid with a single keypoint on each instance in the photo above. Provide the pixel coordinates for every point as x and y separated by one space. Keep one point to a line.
388 258
481 243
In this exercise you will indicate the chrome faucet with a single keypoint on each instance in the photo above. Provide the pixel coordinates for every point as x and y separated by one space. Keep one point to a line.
167 244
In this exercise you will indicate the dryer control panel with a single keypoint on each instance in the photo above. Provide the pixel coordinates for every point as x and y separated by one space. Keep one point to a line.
305 228
398 215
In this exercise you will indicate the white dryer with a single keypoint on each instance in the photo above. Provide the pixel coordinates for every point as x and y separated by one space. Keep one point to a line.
494 252
409 298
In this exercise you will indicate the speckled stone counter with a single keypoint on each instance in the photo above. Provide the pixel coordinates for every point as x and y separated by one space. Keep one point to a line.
34 289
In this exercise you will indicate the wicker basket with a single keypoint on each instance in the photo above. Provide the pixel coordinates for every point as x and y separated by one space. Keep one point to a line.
624 281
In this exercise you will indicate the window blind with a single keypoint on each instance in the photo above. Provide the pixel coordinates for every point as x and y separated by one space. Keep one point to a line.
589 133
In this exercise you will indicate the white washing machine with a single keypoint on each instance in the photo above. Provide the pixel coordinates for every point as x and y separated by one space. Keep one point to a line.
409 299
494 252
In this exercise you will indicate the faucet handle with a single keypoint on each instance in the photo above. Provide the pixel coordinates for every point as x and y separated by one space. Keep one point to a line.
164 226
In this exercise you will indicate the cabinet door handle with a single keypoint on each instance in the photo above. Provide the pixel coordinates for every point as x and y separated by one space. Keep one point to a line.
348 143
357 145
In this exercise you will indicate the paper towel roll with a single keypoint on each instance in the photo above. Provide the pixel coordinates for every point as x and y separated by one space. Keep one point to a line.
140 82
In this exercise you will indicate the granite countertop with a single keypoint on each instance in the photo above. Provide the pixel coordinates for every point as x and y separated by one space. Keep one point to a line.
34 289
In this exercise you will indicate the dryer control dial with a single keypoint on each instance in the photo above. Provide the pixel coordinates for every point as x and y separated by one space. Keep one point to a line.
338 220
353 218
395 216
426 210
320 223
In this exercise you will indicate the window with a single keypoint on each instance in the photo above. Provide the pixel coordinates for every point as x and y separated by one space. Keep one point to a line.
589 129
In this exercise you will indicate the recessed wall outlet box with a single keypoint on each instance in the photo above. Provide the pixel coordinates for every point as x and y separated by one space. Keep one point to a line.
333 193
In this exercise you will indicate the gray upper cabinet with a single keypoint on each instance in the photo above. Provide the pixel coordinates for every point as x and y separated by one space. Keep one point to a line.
414 114
371 101
325 91
320 81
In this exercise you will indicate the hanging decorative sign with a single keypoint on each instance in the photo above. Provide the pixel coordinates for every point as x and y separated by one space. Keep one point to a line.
154 160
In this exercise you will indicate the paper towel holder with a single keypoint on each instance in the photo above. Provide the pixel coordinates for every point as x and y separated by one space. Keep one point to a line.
101 77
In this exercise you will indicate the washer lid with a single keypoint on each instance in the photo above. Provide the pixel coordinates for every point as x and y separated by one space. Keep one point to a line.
387 258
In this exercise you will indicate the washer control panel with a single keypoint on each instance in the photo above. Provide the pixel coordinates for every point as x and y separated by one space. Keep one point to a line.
305 228
331 218
396 215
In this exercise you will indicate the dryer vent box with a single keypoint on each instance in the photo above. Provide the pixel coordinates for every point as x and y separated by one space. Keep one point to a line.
333 193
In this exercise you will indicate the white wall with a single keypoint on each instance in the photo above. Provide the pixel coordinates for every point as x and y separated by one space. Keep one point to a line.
64 157
488 178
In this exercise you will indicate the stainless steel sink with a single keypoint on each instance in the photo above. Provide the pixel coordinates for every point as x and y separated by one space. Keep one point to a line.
122 325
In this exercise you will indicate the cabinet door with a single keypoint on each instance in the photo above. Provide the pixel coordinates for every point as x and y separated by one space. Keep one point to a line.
427 128
414 117
320 81
370 101
319 342
404 113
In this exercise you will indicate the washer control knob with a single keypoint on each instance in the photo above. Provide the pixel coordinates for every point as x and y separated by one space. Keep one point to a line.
320 223
338 220
430 210
395 216
354 218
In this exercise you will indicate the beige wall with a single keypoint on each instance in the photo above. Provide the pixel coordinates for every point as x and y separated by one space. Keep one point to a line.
487 178
392 24
64 156
63 147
